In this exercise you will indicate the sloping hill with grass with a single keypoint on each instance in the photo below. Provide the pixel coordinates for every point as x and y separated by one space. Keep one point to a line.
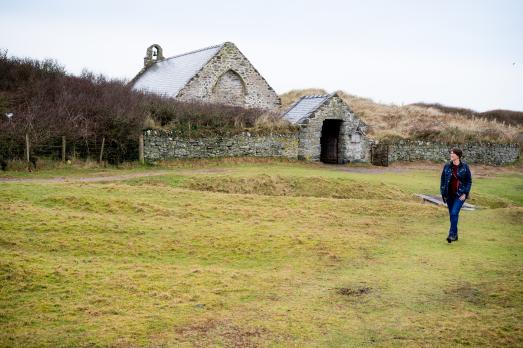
514 118
427 122
259 254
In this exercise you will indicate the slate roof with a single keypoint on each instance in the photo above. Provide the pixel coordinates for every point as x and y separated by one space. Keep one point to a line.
305 106
167 77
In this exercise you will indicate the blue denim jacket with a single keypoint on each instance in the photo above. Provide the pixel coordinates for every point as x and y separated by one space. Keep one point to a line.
464 177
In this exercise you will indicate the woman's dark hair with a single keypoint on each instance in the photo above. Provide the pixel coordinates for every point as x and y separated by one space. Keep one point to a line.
457 151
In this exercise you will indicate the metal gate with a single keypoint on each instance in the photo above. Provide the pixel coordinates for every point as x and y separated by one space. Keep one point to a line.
379 155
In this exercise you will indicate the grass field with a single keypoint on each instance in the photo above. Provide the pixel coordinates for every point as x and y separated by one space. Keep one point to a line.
259 254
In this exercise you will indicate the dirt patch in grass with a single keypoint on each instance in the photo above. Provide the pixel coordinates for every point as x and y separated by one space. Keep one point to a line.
354 291
208 171
276 185
466 292
223 331
97 177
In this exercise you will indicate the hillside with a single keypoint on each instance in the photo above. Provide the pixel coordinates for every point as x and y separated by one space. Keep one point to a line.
514 118
47 103
230 253
427 121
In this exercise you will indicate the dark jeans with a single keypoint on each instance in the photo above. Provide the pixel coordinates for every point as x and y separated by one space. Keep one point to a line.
454 204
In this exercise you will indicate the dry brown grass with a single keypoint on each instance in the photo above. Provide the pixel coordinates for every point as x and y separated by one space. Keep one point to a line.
291 96
391 122
267 122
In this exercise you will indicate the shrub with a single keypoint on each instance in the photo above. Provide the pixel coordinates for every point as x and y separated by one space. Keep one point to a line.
48 103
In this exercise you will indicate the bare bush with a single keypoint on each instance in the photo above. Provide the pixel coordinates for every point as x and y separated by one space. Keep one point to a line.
47 103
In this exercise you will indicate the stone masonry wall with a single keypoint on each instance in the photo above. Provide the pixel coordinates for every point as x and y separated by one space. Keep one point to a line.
496 154
159 145
257 92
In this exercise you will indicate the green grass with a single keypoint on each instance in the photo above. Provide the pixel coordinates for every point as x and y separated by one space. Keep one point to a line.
47 168
259 254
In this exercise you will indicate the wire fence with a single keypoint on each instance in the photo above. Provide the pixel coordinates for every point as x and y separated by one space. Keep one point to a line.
62 149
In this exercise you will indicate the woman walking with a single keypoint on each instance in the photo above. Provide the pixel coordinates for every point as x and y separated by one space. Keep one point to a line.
456 181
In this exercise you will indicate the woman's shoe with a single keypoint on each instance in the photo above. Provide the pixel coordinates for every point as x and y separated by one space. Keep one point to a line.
449 240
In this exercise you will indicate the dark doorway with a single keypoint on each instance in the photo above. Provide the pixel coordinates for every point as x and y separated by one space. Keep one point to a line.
379 155
330 141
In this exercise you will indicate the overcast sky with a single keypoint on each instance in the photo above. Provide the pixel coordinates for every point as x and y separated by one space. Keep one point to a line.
458 53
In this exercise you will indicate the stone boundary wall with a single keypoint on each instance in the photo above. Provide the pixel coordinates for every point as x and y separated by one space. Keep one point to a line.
486 153
160 145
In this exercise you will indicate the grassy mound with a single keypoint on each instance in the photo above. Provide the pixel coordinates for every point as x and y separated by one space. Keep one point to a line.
425 122
278 185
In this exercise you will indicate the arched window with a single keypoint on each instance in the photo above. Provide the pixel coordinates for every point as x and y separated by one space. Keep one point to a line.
229 89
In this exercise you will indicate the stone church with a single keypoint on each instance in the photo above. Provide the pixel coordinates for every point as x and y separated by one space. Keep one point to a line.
220 74
330 132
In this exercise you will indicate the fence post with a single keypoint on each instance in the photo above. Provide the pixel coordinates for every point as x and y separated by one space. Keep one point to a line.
140 149
102 149
27 149
63 148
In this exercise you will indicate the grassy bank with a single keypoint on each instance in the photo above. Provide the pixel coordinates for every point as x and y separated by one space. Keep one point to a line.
430 122
259 254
